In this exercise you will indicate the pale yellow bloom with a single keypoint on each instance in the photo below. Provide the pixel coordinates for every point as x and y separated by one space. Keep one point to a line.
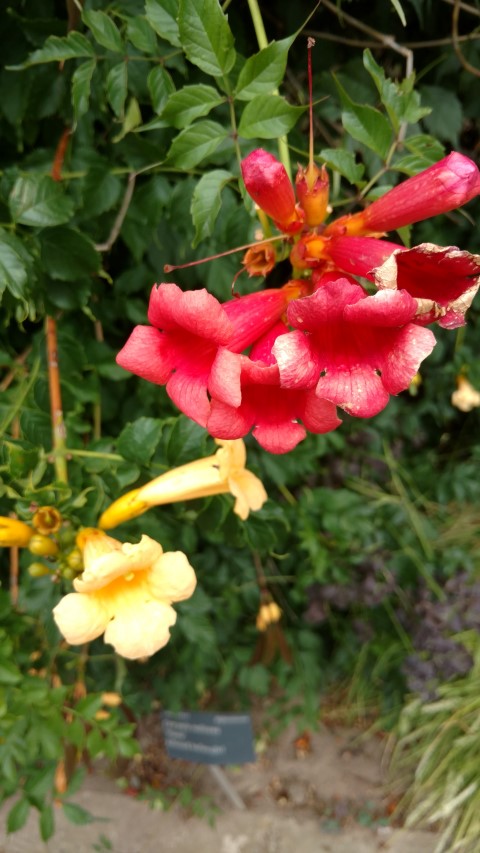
14 533
126 592
213 475
268 614
466 397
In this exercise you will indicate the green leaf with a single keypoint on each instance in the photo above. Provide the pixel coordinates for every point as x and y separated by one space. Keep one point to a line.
190 103
104 30
17 816
81 83
161 86
446 118
56 49
398 8
13 264
141 34
76 814
9 673
344 162
400 100
47 822
206 36
193 144
38 200
366 124
268 116
162 15
264 70
67 254
133 118
138 440
424 152
116 88
206 202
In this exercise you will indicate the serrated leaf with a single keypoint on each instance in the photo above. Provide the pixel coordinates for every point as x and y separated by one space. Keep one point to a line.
206 202
67 254
161 86
18 815
206 36
190 103
344 162
116 88
138 440
162 15
195 143
268 116
141 34
47 822
13 264
81 83
38 200
76 814
263 71
104 30
365 124
57 49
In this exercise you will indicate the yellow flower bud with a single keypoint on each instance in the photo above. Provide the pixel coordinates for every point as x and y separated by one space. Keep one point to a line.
38 570
42 546
268 614
14 533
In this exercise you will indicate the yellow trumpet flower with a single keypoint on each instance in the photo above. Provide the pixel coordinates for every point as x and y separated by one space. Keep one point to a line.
14 533
126 593
218 474
466 397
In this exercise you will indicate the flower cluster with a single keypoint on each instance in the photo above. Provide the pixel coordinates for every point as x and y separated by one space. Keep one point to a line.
279 362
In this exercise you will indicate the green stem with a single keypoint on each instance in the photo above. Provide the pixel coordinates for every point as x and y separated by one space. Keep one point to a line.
94 454
23 394
262 40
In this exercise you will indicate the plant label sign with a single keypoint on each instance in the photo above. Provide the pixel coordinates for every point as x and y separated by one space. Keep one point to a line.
208 738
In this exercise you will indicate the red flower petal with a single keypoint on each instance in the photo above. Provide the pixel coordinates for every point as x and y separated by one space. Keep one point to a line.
447 277
358 345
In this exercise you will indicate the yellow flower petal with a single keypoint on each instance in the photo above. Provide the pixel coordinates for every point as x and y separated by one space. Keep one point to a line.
141 633
104 562
80 618
248 491
172 577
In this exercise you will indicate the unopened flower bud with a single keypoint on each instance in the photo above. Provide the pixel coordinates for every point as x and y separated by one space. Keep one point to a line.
312 192
42 546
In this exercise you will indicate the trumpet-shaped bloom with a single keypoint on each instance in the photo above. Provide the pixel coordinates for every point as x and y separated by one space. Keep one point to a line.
180 346
466 397
125 592
222 473
14 533
446 185
354 349
262 404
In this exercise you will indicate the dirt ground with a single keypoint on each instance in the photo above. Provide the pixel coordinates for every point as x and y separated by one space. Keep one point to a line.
320 794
